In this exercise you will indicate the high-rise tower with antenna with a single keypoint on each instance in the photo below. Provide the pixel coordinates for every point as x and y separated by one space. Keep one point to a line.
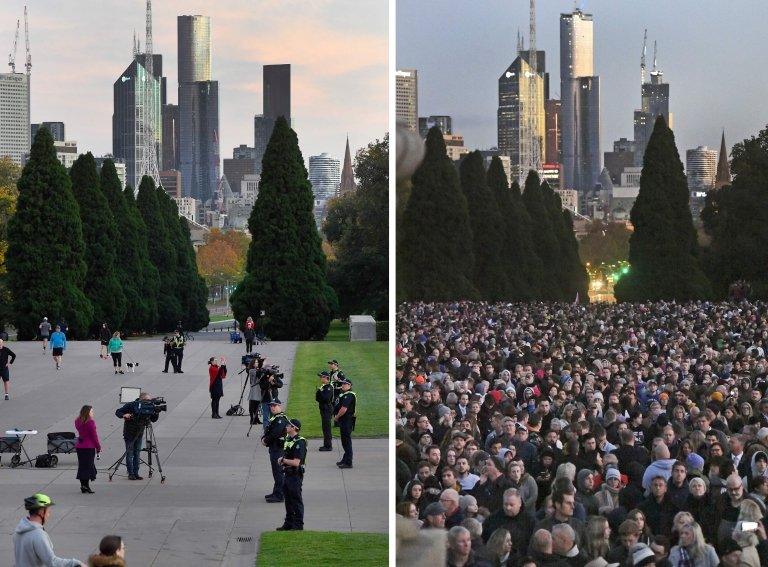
147 111
15 132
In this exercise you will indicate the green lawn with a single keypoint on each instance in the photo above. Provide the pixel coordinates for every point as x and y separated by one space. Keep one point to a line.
319 549
365 363
217 318
339 331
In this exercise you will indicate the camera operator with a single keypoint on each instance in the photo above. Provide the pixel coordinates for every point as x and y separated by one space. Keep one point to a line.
324 399
270 382
133 433
273 439
254 395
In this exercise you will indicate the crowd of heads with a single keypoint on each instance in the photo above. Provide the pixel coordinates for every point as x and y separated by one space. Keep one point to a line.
613 433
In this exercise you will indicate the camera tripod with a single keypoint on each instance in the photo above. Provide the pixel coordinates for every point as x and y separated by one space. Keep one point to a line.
150 447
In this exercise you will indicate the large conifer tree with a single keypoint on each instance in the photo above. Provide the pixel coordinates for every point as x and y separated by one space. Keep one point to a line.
46 253
162 254
286 268
492 276
544 238
434 248
102 286
663 251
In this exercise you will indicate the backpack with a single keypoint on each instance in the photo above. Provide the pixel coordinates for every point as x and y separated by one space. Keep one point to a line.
44 461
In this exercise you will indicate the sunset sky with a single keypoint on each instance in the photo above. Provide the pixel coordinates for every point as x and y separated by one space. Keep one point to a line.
337 49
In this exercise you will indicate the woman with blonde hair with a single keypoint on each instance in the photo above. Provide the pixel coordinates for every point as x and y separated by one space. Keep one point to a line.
499 548
749 511
598 537
693 550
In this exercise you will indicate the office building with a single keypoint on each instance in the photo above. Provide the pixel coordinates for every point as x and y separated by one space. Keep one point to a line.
170 157
552 136
407 98
56 129
243 152
66 152
454 146
187 207
276 102
723 176
506 163
15 139
199 159
324 175
701 168
654 103
249 187
569 199
170 180
127 115
347 183
237 168
552 174
622 156
514 120
441 121
119 167
580 98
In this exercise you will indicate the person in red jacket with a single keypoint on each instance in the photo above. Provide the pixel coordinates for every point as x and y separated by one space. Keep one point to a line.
216 375
87 446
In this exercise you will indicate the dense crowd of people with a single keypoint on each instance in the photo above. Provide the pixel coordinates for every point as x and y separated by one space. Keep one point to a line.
570 434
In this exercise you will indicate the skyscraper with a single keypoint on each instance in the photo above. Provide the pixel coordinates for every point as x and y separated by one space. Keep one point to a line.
407 98
723 176
580 98
553 136
276 102
198 110
700 168
14 116
324 175
127 134
654 103
441 121
170 157
56 128
347 184
513 120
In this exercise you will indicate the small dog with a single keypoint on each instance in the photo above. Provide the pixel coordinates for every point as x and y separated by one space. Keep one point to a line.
132 366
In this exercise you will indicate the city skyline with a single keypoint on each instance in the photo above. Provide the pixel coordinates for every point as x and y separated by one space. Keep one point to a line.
458 69
339 84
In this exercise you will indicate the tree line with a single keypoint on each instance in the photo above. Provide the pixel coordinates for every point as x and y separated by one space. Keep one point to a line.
467 234
83 249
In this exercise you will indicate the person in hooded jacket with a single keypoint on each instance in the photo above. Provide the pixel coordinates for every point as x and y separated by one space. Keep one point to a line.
585 480
32 545
608 495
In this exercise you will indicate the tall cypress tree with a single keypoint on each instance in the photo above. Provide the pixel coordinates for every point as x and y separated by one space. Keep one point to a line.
663 251
286 271
544 238
46 253
162 254
491 276
435 259
102 286
139 266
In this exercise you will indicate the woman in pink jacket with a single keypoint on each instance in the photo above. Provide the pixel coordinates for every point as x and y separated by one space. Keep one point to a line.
87 446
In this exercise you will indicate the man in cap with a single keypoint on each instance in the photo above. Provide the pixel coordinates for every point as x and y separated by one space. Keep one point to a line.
336 376
344 415
31 544
292 461
273 439
434 516
324 399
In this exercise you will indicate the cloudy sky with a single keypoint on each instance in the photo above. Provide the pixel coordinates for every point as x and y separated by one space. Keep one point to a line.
337 49
713 53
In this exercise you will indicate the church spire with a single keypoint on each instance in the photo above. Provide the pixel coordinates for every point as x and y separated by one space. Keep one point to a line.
347 184
723 169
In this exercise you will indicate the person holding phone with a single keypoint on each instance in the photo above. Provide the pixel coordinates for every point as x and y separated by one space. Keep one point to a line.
216 374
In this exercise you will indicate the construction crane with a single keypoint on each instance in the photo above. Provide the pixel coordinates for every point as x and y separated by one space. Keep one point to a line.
642 58
28 64
12 54
654 56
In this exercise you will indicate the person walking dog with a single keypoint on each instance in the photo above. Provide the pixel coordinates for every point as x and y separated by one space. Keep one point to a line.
115 348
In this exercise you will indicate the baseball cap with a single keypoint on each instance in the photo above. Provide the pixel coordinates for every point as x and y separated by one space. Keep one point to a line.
434 509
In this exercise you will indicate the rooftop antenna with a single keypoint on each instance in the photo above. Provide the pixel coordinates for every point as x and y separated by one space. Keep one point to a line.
28 64
519 42
642 58
533 92
149 164
12 54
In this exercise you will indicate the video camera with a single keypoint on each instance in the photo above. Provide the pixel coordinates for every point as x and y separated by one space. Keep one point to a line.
246 359
274 370
149 408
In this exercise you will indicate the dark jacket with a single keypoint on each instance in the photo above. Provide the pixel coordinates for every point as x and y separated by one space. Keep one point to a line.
703 511
490 493
274 434
269 388
627 454
134 427
105 334
105 561
324 396
5 354
659 515
520 527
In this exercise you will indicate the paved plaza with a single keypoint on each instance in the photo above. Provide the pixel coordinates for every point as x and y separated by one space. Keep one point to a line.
212 502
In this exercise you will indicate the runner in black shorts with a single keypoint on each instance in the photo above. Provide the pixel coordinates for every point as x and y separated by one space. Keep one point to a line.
5 373
45 331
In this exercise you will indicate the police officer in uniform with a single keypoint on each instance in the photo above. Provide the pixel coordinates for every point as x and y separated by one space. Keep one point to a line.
324 399
336 376
273 438
177 344
344 415
292 461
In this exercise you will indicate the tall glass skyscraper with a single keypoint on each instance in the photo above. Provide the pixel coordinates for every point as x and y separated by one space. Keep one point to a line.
580 103
199 161
654 103
276 103
324 175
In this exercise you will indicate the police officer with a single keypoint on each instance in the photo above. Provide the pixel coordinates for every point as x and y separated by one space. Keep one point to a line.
177 346
324 399
336 376
292 461
273 438
344 415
